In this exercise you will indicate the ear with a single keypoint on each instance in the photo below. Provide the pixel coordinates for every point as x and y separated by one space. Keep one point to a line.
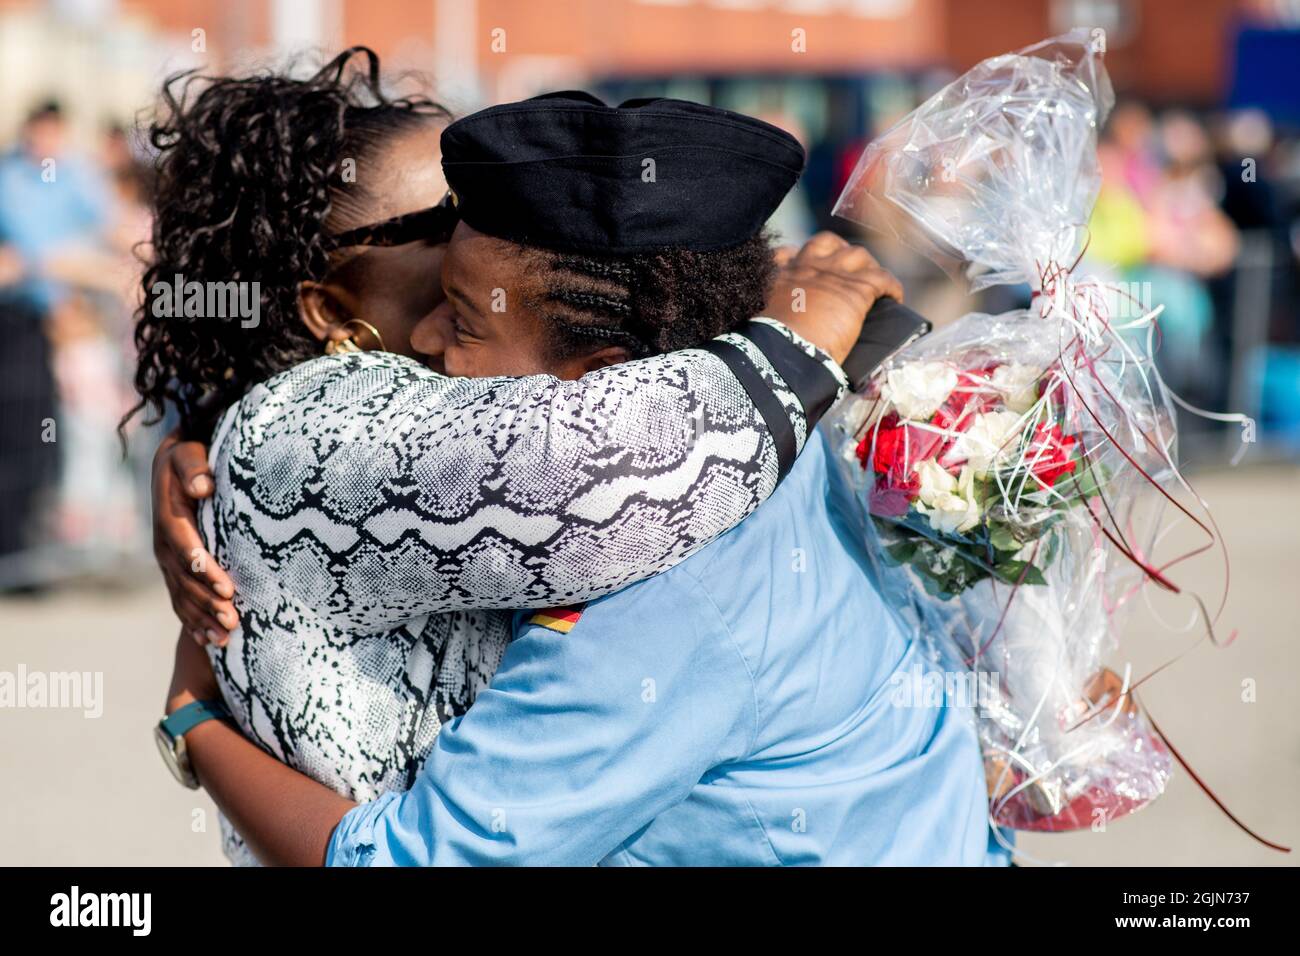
324 308
610 355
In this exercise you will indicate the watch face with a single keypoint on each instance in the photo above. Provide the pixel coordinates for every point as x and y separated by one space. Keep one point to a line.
173 754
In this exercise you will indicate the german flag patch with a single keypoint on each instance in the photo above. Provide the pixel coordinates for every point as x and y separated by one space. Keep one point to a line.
559 619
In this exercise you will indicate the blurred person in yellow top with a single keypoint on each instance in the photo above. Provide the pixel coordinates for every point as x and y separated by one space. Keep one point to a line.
1157 230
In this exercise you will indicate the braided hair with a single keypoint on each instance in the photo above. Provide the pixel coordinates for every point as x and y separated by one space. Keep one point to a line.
649 303
249 172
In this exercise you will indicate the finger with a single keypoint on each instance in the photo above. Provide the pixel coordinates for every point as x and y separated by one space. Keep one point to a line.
221 611
206 568
192 559
178 526
887 285
196 612
853 259
189 460
783 254
181 539
822 244
162 456
196 623
186 596
875 282
199 637
169 441
205 630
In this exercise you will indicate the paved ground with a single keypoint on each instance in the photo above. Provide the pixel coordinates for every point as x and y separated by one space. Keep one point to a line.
75 790
93 791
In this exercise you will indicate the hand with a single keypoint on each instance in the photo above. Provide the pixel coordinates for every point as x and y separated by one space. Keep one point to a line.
192 677
200 589
824 291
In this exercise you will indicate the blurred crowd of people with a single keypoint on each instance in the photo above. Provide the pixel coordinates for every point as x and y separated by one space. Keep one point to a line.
1198 213
1202 215
69 223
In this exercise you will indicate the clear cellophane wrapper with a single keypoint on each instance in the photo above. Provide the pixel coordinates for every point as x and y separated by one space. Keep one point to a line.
1005 462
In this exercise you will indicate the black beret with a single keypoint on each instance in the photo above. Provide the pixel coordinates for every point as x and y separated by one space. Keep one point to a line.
565 172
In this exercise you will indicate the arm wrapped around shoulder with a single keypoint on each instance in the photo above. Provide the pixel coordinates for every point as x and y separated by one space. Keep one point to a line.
375 490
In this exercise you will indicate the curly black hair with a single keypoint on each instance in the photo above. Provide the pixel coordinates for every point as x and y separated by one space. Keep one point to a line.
652 302
249 171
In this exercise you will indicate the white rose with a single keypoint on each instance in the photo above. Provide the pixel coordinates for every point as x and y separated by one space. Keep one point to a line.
1018 385
954 512
917 389
992 439
859 414
935 481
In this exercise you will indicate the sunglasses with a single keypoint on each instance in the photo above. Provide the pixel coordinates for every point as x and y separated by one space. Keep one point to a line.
432 225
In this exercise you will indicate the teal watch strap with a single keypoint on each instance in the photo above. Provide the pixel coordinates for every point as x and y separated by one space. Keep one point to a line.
185 719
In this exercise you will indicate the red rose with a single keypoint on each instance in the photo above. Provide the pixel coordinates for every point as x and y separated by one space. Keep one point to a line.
893 450
887 445
889 501
897 448
971 397
957 413
1049 454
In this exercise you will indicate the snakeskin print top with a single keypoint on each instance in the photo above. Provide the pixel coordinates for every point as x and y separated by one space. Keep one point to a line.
373 512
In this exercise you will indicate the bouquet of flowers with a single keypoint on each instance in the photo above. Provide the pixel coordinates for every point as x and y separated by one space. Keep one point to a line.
967 463
1002 459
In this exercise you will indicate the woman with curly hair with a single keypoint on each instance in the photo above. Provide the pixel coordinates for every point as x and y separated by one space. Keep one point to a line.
367 504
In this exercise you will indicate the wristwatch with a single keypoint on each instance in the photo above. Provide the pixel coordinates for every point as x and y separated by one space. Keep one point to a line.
170 736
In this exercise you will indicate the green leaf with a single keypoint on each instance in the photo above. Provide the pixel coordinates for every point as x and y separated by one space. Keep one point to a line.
1018 572
900 553
946 565
1003 540
1087 479
1049 551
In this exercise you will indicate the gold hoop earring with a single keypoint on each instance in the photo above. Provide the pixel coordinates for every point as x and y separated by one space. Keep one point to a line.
341 346
350 344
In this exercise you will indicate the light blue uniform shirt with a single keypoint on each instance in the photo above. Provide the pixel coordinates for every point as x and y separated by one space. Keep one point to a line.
739 709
